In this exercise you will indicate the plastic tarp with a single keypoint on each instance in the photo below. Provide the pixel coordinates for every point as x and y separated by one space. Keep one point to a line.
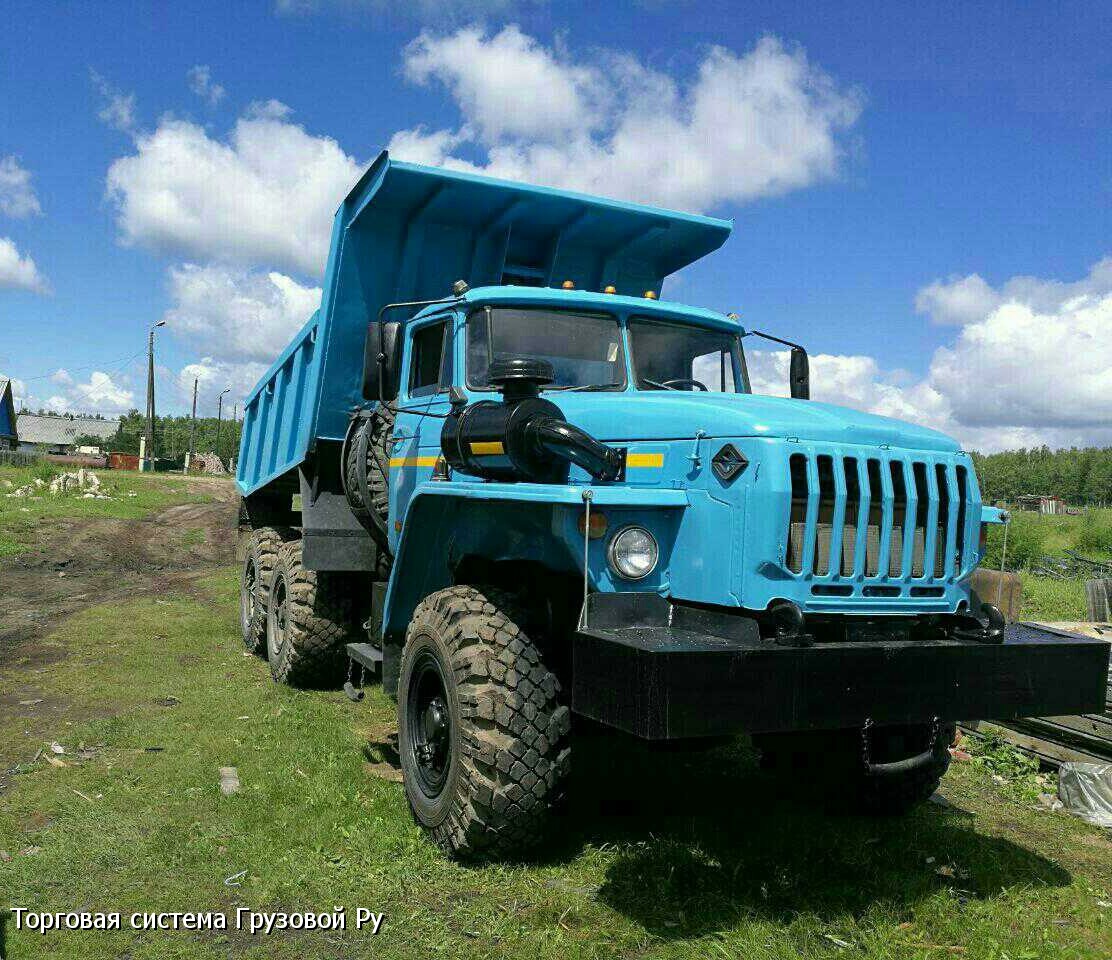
1085 790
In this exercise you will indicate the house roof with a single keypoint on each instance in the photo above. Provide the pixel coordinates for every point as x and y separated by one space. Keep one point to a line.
7 410
56 430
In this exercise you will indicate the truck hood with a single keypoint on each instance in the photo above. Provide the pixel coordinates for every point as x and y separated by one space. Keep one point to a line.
672 415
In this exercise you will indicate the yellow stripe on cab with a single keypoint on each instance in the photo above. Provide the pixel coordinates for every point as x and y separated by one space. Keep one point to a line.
412 462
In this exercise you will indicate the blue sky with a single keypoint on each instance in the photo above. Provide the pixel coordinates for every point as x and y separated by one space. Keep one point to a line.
921 193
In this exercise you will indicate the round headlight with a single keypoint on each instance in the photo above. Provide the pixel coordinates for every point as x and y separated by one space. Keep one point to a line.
633 553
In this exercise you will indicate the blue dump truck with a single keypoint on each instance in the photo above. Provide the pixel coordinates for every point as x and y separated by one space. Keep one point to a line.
498 468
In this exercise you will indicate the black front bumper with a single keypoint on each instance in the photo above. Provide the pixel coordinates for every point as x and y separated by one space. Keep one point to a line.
666 672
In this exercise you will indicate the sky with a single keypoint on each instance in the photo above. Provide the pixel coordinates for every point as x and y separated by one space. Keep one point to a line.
921 192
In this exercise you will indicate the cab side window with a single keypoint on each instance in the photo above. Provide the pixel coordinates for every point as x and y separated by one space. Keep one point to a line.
431 363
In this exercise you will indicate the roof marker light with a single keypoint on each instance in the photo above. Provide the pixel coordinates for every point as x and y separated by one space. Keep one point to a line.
610 288
568 285
650 294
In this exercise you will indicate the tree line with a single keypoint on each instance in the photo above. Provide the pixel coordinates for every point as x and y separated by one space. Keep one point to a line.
1079 476
171 436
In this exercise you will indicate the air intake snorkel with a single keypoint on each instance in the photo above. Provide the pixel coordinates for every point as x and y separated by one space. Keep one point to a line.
525 437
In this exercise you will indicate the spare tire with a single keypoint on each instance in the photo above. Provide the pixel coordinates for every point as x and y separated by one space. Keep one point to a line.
367 471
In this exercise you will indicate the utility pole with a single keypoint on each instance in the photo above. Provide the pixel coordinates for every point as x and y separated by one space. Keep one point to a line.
219 410
192 428
148 451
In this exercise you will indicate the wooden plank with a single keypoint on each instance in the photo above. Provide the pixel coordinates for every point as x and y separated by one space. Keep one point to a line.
1098 593
1091 724
1052 753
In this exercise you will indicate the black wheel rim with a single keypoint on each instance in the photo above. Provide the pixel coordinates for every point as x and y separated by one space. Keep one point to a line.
247 595
429 722
280 604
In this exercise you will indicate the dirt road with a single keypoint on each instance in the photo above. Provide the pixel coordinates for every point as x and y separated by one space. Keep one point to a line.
78 563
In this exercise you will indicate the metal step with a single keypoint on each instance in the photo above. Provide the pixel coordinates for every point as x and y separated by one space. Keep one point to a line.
366 654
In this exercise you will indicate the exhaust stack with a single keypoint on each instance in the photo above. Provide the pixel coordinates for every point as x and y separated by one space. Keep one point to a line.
525 437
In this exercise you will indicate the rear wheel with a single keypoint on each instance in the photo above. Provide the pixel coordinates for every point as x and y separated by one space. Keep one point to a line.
310 617
254 590
482 730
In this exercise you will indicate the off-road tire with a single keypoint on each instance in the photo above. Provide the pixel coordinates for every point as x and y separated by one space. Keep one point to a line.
260 555
509 729
305 641
374 513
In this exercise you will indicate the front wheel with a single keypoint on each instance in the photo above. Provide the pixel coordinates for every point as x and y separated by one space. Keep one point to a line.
482 730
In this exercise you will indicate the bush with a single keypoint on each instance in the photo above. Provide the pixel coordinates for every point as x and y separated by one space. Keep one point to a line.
44 471
1026 542
1095 535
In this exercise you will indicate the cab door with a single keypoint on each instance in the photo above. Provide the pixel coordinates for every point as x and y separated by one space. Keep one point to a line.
427 371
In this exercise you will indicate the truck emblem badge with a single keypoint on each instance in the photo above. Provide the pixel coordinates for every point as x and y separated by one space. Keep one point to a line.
729 463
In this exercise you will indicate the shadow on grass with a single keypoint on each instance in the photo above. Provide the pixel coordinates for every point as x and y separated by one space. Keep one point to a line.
703 840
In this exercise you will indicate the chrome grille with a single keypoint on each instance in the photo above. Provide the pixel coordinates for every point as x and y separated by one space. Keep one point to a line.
872 517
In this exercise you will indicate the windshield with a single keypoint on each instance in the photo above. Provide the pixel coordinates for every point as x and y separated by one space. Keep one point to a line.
585 349
672 356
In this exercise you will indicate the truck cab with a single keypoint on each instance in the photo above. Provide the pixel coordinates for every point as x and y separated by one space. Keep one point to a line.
848 512
499 470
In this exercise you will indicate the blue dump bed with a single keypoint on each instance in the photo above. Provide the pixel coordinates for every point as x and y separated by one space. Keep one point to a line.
407 232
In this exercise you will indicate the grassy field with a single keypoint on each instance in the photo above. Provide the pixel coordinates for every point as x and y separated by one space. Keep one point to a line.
1032 536
149 698
133 495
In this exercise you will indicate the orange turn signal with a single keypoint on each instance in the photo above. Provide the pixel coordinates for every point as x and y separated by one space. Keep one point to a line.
650 294
568 285
598 525
610 288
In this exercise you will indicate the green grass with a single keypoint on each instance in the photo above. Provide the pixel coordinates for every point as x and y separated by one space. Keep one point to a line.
1047 599
712 861
1032 536
134 495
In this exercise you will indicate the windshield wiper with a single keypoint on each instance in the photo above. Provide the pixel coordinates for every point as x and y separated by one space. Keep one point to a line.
583 388
659 386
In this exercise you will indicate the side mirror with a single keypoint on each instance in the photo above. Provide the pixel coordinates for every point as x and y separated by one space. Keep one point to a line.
799 375
381 360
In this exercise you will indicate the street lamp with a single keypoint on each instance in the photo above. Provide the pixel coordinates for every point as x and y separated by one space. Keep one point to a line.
146 461
219 412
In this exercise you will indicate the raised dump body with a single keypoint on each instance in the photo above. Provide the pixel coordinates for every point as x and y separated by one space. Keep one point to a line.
407 232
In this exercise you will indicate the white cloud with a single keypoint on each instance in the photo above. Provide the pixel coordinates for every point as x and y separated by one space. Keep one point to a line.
266 195
1031 364
17 195
201 83
212 376
235 314
17 271
956 301
117 108
508 85
757 124
102 393
961 300
267 110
